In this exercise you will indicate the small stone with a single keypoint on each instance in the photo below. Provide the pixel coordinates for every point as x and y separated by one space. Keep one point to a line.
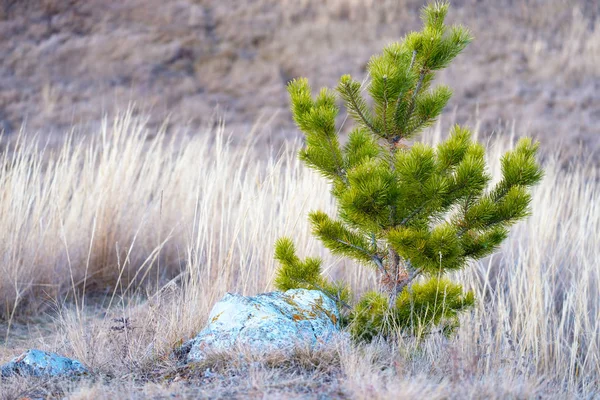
42 364
267 322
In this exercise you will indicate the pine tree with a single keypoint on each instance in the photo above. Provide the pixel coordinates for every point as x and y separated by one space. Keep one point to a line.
408 211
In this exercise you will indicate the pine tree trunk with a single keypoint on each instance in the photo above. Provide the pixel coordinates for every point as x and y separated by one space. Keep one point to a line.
395 278
396 273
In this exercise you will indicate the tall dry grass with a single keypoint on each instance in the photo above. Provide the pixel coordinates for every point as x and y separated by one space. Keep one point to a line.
130 206
577 53
130 212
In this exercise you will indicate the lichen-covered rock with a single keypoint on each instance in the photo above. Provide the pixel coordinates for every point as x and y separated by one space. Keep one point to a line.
44 364
267 322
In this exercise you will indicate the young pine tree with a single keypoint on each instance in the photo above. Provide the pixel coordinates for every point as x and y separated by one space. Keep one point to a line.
408 211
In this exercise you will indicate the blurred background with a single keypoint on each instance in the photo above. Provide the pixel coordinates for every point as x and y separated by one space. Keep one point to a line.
535 64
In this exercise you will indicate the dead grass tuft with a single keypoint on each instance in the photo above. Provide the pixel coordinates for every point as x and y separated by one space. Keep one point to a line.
195 218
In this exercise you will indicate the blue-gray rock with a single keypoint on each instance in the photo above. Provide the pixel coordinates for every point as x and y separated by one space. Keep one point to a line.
43 364
267 322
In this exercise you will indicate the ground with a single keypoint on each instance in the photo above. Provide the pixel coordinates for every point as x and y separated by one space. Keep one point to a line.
115 246
68 63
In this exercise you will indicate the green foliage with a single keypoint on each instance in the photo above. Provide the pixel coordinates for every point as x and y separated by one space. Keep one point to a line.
371 317
412 212
434 302
295 273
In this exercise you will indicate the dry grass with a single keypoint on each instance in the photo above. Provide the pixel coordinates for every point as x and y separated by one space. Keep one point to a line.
576 55
123 214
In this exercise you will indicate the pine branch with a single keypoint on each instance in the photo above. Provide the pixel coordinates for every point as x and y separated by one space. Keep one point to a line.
398 135
357 110
411 277
339 167
365 251
396 113
412 60
385 105
374 257
412 214
422 206
377 260
411 108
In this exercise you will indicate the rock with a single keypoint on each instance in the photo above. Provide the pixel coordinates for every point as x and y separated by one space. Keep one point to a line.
267 322
43 364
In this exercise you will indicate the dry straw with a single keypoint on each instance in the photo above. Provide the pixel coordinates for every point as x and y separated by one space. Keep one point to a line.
127 212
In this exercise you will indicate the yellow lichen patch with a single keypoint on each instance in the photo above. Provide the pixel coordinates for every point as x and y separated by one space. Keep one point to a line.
291 302
298 317
333 318
216 317
316 309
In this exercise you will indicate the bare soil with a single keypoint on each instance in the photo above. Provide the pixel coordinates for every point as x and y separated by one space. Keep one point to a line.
66 63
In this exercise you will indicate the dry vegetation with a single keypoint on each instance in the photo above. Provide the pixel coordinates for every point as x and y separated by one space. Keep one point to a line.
68 63
133 209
